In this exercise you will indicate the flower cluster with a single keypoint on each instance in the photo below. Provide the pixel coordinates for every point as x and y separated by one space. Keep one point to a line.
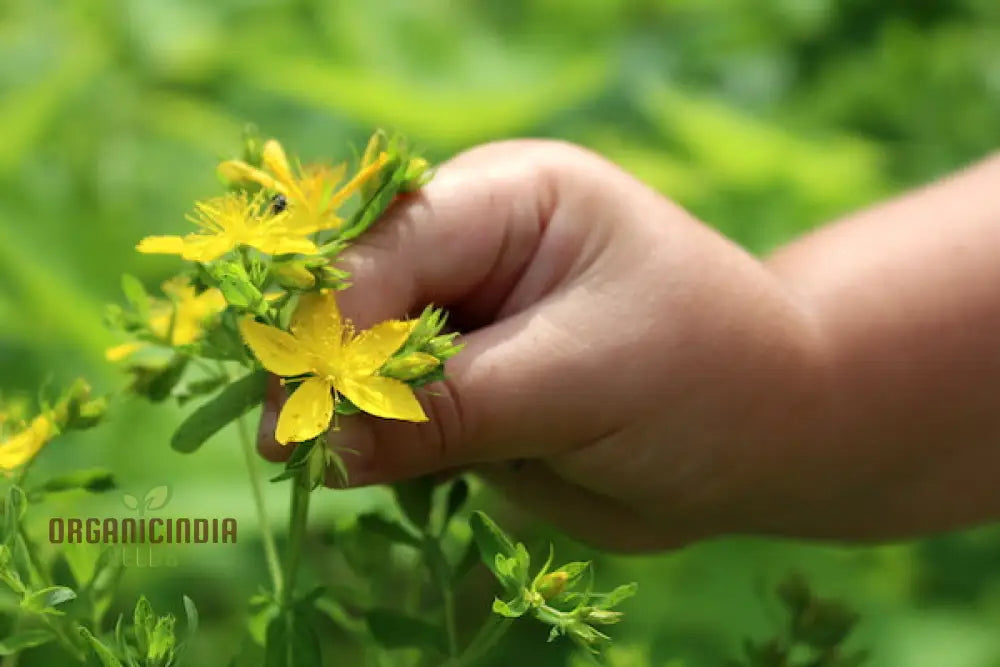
257 297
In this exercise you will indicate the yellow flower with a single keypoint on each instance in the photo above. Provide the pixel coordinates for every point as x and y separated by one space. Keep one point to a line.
325 348
228 222
21 447
187 312
310 194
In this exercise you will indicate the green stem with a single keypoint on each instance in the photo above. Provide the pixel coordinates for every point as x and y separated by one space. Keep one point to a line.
297 531
35 571
267 534
487 637
449 621
62 638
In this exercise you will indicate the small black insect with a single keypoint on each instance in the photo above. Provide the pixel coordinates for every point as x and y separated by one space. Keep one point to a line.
278 203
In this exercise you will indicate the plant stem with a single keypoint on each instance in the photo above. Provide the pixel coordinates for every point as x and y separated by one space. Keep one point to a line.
487 637
267 534
296 532
449 620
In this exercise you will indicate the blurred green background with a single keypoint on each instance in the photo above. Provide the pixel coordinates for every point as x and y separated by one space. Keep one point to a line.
764 118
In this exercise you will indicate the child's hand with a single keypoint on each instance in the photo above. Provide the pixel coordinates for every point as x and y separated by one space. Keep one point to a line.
646 370
641 381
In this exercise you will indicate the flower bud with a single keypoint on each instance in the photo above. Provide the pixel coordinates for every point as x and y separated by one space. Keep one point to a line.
443 347
552 584
89 414
415 175
294 275
600 616
377 144
236 286
410 366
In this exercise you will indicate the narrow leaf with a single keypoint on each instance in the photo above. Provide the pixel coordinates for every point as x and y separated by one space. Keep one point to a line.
231 403
24 640
103 653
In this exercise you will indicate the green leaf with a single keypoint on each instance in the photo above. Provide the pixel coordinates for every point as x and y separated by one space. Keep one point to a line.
231 403
135 294
392 630
492 542
513 609
24 640
94 480
392 531
292 642
470 557
103 653
45 600
143 622
158 385
415 498
191 614
161 639
617 596
457 495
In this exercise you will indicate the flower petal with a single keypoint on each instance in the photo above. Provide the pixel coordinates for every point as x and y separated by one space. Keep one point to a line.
205 247
239 171
119 352
277 350
357 181
283 243
161 245
23 447
307 412
382 397
274 160
317 323
366 353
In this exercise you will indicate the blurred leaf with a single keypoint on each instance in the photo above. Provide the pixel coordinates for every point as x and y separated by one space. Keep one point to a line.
24 640
292 642
231 403
394 630
95 480
102 652
455 116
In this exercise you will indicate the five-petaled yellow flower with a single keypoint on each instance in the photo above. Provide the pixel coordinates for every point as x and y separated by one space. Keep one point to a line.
231 221
21 447
310 192
187 312
325 348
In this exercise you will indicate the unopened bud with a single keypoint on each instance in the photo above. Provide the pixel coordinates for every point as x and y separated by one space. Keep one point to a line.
410 366
90 414
376 146
552 584
416 174
294 275
601 616
443 347
236 286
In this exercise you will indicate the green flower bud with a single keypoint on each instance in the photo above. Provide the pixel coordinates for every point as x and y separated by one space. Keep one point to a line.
600 616
377 144
90 414
236 286
416 174
293 275
410 366
552 584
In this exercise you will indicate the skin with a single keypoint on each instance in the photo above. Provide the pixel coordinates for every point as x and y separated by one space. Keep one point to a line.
656 384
